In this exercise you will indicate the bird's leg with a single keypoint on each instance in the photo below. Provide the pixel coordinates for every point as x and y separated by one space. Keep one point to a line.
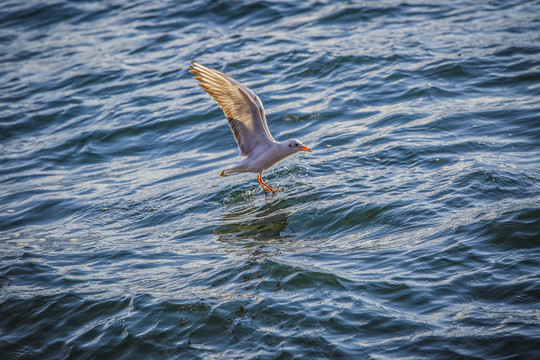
259 180
264 185
268 187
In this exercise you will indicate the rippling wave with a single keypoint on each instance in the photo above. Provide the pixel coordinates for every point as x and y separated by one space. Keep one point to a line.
411 231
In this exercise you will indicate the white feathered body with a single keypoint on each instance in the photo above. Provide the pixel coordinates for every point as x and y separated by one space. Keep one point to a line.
246 117
262 158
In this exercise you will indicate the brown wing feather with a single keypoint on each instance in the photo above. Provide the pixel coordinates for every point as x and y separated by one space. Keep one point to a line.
243 109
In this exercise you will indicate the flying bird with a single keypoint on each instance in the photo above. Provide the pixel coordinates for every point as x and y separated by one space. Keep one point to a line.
245 114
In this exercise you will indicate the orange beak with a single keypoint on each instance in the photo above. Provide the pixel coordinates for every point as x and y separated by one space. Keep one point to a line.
304 148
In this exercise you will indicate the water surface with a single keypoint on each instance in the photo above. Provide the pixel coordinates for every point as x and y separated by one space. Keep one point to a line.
411 231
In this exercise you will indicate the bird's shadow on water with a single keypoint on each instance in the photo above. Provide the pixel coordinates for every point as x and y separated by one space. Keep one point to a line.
256 227
253 216
259 223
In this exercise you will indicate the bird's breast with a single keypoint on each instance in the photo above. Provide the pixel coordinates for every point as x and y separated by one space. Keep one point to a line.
265 157
272 157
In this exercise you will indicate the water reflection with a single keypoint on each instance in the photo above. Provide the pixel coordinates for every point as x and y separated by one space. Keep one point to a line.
260 227
258 233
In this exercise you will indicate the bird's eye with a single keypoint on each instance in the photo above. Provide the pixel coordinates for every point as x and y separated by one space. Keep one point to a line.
290 145
296 145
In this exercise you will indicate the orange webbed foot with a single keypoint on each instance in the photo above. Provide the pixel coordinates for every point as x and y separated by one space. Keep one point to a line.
264 186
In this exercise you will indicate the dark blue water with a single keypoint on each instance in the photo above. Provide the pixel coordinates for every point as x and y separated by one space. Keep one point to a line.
411 231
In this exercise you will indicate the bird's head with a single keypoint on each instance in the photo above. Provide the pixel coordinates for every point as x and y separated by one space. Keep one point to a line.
296 145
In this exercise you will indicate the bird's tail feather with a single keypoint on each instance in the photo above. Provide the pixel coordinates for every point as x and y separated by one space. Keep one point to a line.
238 168
227 172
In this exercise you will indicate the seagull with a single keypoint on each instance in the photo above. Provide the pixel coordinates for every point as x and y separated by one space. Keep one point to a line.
245 114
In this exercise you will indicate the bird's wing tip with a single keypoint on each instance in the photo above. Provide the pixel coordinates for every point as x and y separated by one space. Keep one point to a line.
193 65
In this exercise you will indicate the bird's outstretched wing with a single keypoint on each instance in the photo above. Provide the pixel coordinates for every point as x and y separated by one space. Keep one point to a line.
241 106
